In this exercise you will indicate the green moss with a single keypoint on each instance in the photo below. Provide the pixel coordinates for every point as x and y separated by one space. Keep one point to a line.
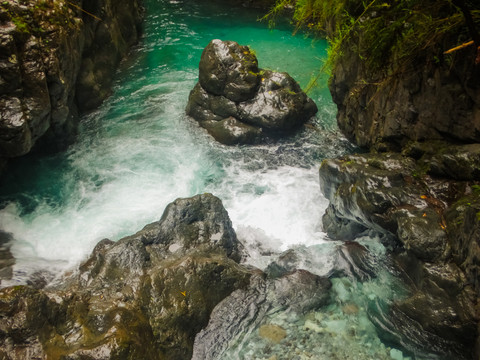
21 25
476 189
421 170
38 15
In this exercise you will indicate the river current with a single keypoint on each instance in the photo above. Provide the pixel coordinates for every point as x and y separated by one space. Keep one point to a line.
138 152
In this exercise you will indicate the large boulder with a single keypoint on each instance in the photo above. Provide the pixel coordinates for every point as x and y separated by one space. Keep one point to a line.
239 103
246 311
143 297
230 70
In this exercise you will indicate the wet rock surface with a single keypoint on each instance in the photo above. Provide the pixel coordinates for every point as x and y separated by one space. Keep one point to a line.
247 310
428 101
429 224
6 258
143 297
56 61
239 103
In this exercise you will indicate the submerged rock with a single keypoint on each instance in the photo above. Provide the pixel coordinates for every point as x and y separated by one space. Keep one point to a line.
143 297
247 310
238 103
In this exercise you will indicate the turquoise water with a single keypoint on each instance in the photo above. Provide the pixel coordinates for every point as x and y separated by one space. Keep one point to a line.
138 152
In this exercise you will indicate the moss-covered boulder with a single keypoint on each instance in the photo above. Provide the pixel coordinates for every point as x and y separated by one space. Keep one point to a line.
238 103
143 297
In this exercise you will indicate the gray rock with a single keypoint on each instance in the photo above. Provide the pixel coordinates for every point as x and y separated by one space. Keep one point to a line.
279 104
430 101
230 131
197 222
243 311
431 233
143 297
15 134
229 70
55 61
238 103
445 160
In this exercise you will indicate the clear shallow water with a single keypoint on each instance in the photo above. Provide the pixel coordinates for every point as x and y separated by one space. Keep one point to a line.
138 152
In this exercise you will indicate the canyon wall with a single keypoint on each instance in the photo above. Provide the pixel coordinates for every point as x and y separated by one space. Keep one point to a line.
418 118
57 60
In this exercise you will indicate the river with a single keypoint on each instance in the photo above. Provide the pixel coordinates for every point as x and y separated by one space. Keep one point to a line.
138 152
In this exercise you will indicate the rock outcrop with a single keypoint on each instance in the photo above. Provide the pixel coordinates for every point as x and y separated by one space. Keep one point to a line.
428 101
148 295
430 227
246 309
57 59
238 103
143 297
417 110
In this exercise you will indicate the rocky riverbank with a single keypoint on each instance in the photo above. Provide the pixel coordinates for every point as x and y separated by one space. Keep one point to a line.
57 60
418 185
148 295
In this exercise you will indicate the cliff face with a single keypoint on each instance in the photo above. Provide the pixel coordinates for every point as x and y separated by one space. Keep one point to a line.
57 59
428 101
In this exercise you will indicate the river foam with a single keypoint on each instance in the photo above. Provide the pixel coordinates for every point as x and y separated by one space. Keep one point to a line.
138 151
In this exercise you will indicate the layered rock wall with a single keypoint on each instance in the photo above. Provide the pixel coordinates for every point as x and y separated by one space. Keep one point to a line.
57 59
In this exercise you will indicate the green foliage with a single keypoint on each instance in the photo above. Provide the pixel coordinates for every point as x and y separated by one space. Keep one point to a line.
20 24
476 189
388 36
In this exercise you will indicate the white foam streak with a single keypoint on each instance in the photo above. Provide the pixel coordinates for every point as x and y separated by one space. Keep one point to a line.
284 204
138 152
